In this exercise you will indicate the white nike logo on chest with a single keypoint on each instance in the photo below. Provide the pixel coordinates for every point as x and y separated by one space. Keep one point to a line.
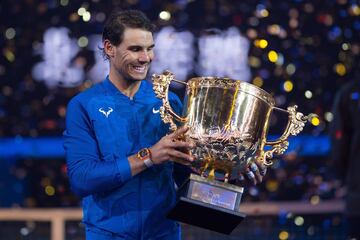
155 111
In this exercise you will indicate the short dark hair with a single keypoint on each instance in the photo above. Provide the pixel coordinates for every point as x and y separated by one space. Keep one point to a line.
118 21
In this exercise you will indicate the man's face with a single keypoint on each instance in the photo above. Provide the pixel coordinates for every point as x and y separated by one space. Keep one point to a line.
132 57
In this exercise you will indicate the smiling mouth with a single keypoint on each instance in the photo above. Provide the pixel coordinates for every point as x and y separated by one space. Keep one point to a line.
140 69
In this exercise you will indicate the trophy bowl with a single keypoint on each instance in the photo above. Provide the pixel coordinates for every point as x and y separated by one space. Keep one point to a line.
228 122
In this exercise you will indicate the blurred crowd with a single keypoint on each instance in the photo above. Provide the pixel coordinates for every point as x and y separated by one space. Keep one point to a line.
301 52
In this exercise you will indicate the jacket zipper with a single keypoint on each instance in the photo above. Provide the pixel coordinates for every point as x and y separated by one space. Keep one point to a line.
140 208
140 228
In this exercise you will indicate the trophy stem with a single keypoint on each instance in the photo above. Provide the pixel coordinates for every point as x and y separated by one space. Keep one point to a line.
212 174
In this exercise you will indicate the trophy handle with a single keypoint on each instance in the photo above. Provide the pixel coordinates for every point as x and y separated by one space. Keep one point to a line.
161 85
295 125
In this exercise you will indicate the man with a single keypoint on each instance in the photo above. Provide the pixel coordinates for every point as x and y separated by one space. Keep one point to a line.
345 151
117 150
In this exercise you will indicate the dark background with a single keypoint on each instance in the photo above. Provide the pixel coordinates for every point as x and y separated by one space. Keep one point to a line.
319 38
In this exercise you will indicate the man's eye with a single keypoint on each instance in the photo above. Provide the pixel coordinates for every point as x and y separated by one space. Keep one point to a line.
135 49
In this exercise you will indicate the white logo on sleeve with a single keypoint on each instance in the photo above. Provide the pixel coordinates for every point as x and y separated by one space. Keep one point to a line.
106 113
156 111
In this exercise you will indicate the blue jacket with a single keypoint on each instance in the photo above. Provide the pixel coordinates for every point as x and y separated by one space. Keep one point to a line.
103 128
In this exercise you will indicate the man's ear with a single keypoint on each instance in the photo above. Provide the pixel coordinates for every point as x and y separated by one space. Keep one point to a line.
109 48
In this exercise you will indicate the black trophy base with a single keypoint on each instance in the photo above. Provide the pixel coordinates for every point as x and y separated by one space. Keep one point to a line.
205 215
208 204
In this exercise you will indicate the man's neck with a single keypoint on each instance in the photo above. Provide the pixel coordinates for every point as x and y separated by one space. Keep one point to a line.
128 88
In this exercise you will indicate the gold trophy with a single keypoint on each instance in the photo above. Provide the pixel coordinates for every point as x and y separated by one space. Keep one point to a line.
228 121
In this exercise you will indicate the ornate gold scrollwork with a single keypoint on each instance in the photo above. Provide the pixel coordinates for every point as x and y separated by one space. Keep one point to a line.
295 125
161 85
213 82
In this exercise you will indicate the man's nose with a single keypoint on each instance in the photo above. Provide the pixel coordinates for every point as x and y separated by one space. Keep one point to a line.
144 57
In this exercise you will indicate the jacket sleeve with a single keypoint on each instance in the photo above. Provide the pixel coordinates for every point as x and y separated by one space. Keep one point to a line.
88 173
340 133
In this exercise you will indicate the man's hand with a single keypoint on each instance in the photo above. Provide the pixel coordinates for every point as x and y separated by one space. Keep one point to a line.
254 173
170 148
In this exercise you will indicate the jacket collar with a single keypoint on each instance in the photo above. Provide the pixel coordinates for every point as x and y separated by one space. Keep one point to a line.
112 90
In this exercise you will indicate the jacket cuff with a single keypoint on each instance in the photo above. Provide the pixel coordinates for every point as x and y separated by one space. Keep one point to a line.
124 170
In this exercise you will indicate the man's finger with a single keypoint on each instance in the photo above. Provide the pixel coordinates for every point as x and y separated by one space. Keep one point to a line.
241 177
255 169
262 171
262 168
250 176
181 155
181 144
179 132
181 161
